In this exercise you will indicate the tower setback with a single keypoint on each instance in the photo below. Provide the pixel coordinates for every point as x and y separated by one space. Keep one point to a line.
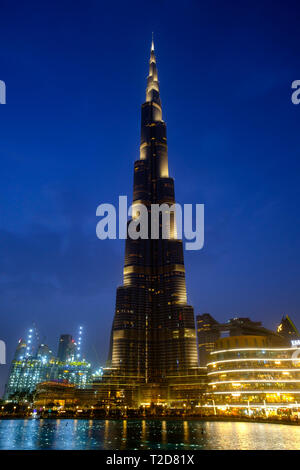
153 335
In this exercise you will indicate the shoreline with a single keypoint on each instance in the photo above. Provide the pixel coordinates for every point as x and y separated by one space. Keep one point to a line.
229 419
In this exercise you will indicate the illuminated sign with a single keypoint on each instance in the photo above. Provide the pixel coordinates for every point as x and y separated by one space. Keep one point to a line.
295 342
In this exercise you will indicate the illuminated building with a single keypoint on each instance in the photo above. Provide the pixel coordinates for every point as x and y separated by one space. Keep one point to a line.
54 394
153 338
20 352
97 374
247 371
25 373
70 366
76 372
44 352
32 366
31 341
210 330
57 395
79 344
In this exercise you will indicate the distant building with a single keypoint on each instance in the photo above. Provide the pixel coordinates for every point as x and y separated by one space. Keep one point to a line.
288 330
27 371
20 350
66 348
44 352
78 372
25 374
210 330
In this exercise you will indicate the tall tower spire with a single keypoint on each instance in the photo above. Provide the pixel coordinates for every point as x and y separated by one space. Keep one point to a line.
152 91
153 334
153 128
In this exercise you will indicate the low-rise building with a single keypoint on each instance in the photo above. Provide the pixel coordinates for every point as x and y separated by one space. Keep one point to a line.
248 372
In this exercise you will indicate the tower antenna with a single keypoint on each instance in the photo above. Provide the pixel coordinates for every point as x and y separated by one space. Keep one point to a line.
152 43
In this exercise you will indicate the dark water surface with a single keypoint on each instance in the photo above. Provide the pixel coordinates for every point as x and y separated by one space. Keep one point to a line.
145 434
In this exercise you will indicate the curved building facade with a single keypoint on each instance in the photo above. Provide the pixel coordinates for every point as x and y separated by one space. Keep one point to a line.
246 369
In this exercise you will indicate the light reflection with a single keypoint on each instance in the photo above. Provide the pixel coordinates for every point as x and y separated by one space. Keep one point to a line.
106 433
186 432
124 435
164 439
145 434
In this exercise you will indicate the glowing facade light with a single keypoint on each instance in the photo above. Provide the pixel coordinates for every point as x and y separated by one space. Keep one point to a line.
254 406
268 374
234 383
251 349
257 359
78 344
255 392
29 349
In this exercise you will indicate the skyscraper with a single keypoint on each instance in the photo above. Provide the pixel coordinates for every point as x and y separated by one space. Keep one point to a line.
208 332
21 350
66 348
27 371
153 333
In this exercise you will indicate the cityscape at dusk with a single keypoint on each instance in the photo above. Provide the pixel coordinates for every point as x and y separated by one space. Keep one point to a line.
189 104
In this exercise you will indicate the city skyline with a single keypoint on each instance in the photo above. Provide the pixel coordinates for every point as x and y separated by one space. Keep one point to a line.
59 167
34 363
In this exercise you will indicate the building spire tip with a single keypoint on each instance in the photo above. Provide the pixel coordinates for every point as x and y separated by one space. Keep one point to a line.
152 43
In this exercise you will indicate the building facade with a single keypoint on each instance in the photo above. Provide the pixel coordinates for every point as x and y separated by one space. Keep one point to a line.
27 371
66 348
77 372
153 334
210 330
247 372
288 330
25 374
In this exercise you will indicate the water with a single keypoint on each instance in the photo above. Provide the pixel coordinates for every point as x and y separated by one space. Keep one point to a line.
145 434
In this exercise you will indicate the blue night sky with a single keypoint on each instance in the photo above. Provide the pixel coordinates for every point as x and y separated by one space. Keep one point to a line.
76 74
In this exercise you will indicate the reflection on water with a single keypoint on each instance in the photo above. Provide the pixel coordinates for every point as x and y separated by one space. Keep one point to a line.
145 434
